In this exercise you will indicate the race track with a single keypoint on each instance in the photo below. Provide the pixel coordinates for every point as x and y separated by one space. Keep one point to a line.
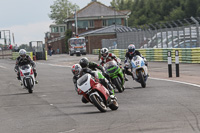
55 107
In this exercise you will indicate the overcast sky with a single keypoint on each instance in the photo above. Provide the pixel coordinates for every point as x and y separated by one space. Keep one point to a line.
28 19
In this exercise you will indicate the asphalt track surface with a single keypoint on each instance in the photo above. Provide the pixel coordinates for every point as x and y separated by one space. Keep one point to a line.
54 107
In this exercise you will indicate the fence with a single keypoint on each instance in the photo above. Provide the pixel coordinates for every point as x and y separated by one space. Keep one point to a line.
5 54
173 34
186 55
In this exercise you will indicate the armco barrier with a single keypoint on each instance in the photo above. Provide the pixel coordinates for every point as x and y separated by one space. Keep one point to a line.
16 54
186 55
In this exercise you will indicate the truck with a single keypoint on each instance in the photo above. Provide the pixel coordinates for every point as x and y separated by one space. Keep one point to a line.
77 45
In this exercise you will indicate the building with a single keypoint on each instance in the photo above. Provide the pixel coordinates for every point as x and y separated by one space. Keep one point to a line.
90 18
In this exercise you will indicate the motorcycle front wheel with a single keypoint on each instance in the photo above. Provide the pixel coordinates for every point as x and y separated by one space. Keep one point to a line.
98 103
141 77
29 86
118 85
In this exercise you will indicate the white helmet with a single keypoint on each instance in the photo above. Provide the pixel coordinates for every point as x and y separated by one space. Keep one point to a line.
104 52
22 52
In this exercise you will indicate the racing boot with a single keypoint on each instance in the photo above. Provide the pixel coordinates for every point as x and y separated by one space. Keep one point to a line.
18 76
110 89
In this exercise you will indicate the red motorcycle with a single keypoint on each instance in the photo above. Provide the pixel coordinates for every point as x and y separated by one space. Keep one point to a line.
96 93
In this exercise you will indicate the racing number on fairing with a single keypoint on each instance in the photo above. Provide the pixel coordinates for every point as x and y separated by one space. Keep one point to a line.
137 63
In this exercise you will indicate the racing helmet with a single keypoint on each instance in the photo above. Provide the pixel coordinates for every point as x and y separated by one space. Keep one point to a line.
76 69
104 52
22 53
131 48
84 62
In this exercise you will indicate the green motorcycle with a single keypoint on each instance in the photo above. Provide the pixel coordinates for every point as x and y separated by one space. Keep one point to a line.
116 75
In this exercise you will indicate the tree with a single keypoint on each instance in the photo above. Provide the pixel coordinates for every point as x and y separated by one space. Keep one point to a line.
68 35
176 14
115 4
61 9
25 46
191 8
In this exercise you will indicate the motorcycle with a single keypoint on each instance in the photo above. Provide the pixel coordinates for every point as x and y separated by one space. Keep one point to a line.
96 93
116 74
139 70
27 77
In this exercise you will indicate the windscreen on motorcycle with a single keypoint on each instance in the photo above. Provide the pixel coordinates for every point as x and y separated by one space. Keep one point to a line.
82 80
135 58
25 67
110 64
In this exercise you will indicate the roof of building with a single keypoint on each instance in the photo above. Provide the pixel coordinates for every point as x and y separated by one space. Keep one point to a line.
106 30
95 9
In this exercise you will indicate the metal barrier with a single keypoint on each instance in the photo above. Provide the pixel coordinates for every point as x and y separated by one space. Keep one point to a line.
186 55
16 54
39 55
5 54
173 34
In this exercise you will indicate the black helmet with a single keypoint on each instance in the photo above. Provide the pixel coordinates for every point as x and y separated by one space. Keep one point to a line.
84 62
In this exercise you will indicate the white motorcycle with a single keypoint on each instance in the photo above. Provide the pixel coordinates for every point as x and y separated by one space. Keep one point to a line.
139 70
27 77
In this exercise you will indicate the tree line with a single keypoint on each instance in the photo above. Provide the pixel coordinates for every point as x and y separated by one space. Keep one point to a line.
155 11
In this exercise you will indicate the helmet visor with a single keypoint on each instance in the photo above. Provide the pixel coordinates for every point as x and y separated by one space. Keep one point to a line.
76 72
131 50
23 56
104 54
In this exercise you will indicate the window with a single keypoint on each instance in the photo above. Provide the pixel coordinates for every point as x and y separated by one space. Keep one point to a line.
105 23
108 22
91 24
82 24
54 29
62 29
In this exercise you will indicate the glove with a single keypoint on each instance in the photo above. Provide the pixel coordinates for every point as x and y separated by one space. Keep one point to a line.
105 74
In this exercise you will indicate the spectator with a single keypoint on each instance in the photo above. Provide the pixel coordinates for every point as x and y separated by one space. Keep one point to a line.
50 49
58 51
16 48
0 48
10 46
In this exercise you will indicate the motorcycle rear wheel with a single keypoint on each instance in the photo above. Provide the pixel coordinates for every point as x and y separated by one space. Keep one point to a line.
98 103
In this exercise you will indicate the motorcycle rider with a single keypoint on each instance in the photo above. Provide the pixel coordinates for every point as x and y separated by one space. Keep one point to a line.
106 56
76 69
88 66
129 56
84 62
24 59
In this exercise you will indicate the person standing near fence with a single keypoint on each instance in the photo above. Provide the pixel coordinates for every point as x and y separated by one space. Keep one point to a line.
50 49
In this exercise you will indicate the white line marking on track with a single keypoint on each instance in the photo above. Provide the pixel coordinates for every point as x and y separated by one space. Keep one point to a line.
54 65
68 131
175 81
3 67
